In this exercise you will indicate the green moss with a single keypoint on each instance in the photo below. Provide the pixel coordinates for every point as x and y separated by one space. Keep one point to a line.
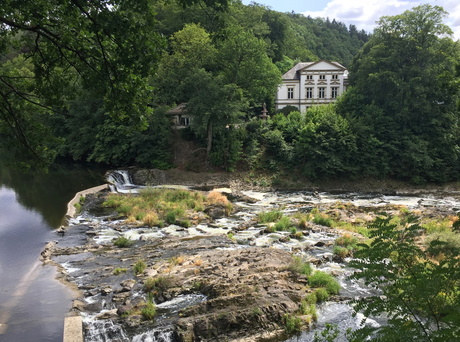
119 271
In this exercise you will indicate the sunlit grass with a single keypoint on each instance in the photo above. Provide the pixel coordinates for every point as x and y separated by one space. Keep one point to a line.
153 207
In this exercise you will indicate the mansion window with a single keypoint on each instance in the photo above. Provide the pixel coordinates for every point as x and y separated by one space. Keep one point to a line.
335 77
322 77
309 93
290 93
321 92
334 92
309 77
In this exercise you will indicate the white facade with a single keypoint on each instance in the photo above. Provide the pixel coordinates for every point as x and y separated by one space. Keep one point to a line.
311 83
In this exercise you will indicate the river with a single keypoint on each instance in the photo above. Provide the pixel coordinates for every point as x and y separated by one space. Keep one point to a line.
33 303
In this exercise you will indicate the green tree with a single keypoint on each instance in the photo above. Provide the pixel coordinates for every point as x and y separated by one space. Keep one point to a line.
243 61
109 47
213 104
23 116
408 72
325 145
420 287
191 49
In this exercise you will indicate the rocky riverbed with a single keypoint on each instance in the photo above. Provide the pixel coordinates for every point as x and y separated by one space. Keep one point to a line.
222 278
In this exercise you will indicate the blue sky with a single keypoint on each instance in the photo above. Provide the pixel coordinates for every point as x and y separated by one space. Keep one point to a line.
362 13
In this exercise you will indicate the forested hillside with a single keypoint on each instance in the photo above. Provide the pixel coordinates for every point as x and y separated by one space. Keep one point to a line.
93 82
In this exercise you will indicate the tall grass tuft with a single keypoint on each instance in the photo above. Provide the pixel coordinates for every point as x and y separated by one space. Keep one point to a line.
149 310
139 267
123 242
298 266
325 280
269 216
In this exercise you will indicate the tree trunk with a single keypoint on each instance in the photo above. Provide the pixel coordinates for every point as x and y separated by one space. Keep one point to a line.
209 142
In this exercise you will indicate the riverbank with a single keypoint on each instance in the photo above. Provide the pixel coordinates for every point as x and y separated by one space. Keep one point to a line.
257 181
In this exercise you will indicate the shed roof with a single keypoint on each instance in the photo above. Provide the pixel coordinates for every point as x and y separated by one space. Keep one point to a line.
180 109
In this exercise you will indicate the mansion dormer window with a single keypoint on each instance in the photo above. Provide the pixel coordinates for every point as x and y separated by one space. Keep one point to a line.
309 77
335 77
322 77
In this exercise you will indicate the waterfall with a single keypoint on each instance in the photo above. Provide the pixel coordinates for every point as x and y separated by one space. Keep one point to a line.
108 331
120 181
104 331
156 335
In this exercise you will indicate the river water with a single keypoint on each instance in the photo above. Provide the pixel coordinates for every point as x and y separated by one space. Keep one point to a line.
315 246
33 303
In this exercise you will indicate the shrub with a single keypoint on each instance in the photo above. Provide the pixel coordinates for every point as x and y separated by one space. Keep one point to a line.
257 311
179 260
321 295
283 224
299 266
139 267
292 323
157 285
450 242
342 252
438 226
308 309
124 210
269 216
346 240
123 242
177 195
322 279
311 298
323 220
77 207
185 223
171 217
149 310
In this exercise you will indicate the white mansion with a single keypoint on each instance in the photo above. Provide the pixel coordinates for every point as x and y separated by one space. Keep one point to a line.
311 83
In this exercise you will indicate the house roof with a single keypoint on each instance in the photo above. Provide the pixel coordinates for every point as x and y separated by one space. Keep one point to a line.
180 109
294 74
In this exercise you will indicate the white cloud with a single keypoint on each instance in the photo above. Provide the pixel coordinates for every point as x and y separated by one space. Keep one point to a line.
364 14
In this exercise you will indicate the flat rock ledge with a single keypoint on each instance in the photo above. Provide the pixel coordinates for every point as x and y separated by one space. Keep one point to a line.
248 290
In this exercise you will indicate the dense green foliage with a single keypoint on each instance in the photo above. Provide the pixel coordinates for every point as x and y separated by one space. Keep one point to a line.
420 286
404 102
74 82
97 50
89 79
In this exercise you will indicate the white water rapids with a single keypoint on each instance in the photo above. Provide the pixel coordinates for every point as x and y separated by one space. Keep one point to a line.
340 314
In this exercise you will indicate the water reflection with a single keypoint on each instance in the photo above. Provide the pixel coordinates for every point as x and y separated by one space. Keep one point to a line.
49 193
33 303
